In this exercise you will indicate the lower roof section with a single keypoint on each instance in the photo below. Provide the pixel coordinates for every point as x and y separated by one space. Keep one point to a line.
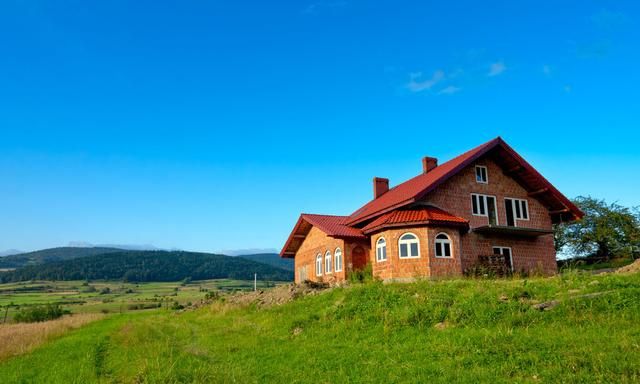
333 226
419 216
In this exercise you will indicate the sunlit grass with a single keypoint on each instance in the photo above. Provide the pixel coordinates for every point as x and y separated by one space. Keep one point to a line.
17 339
437 332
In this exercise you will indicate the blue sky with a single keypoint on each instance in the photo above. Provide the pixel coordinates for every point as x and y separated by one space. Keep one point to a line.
211 125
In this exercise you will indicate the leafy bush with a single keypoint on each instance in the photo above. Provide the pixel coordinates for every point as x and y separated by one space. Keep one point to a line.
362 275
39 313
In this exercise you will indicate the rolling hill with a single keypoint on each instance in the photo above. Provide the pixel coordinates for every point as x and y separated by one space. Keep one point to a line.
271 259
52 254
141 266
445 331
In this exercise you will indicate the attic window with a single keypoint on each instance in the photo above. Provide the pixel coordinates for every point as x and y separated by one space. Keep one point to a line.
481 174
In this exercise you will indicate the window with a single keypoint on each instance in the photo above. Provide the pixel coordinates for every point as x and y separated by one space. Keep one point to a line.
327 263
443 245
381 250
481 174
521 208
506 252
409 246
479 205
338 259
485 205
319 265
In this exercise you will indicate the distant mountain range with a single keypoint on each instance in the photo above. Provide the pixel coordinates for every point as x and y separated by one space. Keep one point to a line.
51 255
9 252
271 259
139 266
72 263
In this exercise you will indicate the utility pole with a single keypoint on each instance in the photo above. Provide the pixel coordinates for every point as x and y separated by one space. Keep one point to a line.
255 282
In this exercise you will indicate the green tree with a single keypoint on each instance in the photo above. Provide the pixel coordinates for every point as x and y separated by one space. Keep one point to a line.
607 230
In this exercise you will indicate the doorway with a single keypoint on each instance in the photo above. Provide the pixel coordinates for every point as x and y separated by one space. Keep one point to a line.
506 252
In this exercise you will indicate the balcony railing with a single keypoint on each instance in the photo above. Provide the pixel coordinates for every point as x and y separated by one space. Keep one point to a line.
514 231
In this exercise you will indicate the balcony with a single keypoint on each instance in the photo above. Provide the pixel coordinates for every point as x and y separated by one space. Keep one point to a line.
511 231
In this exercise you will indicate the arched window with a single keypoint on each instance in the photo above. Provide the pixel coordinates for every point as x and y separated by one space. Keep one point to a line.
327 263
409 246
443 245
338 259
319 265
381 250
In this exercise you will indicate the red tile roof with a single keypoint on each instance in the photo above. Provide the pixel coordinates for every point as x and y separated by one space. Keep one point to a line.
417 187
423 215
333 226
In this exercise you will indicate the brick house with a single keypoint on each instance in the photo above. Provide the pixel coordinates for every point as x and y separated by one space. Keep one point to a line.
486 207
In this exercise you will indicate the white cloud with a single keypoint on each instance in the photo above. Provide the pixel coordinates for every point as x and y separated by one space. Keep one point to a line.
450 90
415 85
497 68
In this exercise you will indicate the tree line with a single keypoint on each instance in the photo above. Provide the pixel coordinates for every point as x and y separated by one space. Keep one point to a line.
607 231
143 266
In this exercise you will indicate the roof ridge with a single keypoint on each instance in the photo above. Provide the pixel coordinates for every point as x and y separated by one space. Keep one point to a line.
319 214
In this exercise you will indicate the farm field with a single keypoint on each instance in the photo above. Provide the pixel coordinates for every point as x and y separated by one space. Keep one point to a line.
111 296
450 331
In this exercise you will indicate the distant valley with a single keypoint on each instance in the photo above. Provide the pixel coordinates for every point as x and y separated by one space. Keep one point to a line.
88 263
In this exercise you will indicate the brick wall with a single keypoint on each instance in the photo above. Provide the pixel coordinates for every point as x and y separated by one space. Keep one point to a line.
317 242
427 265
454 196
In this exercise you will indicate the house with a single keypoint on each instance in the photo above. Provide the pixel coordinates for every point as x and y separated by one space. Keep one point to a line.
487 207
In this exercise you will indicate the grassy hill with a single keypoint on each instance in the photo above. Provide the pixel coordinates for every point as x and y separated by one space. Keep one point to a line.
458 331
148 266
271 259
51 255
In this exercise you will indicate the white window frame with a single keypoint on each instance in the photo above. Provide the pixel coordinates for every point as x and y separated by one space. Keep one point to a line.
328 266
442 242
514 201
408 242
486 206
319 266
493 247
380 255
486 174
337 257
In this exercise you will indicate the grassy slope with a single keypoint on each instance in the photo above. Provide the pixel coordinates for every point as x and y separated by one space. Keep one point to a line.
370 333
72 295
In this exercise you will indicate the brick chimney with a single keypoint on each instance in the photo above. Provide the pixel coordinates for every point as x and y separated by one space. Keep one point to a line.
428 164
380 186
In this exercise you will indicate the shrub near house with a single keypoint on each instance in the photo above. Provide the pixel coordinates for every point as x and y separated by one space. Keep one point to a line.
487 207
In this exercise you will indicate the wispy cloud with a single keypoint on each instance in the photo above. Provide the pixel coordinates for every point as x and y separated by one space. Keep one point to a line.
416 84
547 70
450 90
496 68
317 7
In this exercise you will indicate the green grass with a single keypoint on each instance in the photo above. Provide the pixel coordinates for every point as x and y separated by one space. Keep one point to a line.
73 295
458 331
